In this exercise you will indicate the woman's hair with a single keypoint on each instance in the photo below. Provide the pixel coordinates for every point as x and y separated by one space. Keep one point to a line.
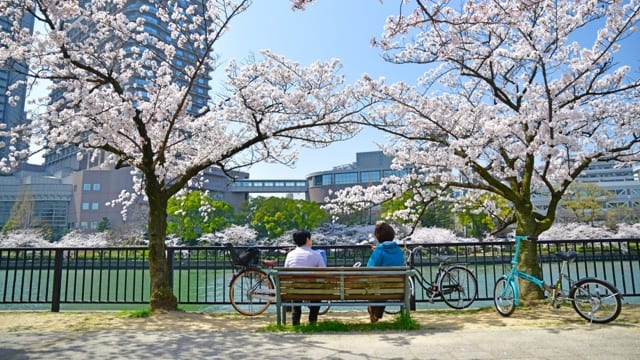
384 232
300 237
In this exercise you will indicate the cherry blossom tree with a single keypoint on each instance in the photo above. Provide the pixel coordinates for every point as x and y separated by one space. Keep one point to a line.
517 99
119 89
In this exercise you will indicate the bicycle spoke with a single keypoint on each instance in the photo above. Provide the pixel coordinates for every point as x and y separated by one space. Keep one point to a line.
249 292
596 300
504 297
458 287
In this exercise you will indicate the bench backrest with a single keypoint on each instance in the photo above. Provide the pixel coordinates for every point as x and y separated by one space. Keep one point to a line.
341 283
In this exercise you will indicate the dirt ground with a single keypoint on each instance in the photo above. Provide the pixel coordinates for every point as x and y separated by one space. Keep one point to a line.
539 315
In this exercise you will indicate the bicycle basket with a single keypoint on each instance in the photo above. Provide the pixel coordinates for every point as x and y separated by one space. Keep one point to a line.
248 257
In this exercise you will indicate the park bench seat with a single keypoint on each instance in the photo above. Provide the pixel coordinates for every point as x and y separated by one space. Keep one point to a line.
343 286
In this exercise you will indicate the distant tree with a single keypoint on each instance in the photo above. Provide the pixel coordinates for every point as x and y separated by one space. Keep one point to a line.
487 213
24 238
274 216
234 234
21 212
103 225
435 214
196 213
587 202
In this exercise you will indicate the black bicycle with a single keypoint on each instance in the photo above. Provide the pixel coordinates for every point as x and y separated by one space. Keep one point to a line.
454 283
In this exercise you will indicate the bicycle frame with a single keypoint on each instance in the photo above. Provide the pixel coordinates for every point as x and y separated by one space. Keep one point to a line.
515 274
433 287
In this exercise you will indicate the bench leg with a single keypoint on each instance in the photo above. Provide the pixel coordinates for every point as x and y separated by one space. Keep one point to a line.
278 314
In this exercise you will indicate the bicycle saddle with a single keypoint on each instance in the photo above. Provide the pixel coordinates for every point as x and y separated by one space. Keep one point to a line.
270 262
566 255
443 259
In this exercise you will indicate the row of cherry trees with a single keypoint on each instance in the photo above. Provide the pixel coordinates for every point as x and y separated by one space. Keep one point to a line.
511 103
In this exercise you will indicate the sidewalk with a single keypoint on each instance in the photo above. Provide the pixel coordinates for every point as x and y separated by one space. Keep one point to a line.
534 334
611 342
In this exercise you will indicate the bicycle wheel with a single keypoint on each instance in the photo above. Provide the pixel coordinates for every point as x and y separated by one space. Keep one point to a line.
458 287
248 292
325 308
504 297
596 300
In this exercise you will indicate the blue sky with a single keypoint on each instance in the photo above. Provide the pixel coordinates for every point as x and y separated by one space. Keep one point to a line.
327 29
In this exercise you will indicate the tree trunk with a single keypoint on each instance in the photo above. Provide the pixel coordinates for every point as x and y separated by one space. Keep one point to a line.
162 297
528 259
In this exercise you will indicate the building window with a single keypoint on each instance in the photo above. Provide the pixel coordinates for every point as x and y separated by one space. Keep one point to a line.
94 225
96 187
399 173
86 187
368 177
84 225
346 178
322 180
85 206
326 179
95 206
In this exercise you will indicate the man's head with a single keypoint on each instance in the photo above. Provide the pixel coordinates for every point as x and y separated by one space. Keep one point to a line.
300 237
384 232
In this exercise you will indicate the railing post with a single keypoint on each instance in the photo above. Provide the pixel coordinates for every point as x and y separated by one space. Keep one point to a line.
57 280
170 251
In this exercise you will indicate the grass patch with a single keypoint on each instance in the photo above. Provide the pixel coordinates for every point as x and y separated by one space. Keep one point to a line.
137 314
401 322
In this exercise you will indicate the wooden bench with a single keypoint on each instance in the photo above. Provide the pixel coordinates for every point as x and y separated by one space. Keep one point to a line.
343 286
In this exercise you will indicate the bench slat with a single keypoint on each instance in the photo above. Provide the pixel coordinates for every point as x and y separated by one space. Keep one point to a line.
342 286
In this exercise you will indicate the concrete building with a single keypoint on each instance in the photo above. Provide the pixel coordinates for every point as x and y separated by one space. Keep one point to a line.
368 169
30 198
622 182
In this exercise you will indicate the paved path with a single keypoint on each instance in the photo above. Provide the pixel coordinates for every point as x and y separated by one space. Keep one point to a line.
588 342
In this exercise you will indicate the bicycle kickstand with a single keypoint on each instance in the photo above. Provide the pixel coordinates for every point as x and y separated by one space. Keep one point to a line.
431 292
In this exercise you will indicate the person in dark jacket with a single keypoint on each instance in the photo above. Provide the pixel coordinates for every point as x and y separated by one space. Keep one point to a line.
387 253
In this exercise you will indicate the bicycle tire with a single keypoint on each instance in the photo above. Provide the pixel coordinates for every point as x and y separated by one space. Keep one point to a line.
324 308
392 310
504 297
458 287
241 292
592 297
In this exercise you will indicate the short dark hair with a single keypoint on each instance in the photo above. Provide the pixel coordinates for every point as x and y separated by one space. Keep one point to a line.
300 237
384 232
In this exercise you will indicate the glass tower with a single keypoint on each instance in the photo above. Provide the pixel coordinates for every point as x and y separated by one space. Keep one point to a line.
12 111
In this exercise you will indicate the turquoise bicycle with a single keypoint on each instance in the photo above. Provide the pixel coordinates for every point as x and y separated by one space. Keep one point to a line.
593 299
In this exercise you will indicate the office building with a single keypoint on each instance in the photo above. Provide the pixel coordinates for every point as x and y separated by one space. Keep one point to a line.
622 184
368 169
12 109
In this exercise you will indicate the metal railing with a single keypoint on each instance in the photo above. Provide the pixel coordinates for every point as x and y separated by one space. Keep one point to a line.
201 275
